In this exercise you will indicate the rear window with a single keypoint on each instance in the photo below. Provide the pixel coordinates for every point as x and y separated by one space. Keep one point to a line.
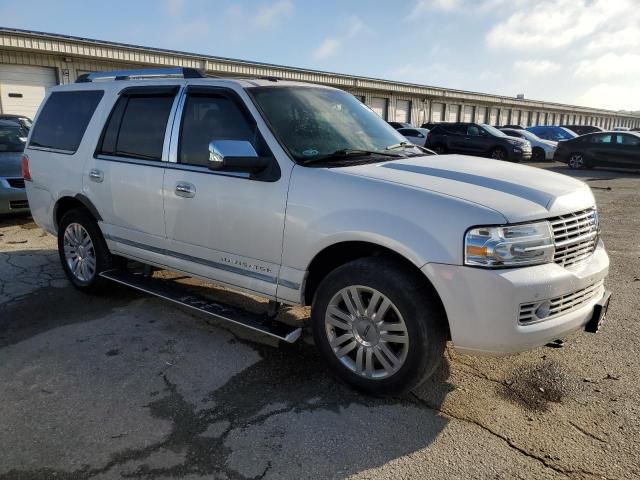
137 126
64 119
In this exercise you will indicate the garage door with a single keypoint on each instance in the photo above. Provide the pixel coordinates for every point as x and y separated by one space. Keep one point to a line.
379 105
454 113
436 112
468 114
493 116
403 110
482 115
23 88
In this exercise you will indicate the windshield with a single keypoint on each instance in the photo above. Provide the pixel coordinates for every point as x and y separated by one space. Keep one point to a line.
528 135
493 131
313 122
554 133
12 139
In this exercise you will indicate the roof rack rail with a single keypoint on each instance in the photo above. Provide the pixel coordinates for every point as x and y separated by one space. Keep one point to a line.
148 73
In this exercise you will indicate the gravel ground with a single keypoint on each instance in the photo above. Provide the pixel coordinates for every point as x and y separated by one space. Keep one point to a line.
128 386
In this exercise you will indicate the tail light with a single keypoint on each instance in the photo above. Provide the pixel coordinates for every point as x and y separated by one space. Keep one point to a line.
26 174
429 135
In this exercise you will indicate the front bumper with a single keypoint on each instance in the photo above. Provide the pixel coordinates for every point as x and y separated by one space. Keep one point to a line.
483 306
12 200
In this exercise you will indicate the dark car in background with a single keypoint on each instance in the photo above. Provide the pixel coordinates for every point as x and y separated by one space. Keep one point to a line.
552 132
602 149
583 129
24 122
13 197
477 139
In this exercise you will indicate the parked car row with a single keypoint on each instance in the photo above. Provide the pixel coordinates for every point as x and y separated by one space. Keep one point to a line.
579 146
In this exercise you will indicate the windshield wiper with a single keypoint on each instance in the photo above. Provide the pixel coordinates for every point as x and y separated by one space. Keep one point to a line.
405 145
395 146
350 152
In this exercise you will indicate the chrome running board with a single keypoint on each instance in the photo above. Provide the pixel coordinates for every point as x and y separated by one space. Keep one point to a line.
177 293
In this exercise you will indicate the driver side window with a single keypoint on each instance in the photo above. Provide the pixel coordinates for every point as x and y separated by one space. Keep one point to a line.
214 117
473 131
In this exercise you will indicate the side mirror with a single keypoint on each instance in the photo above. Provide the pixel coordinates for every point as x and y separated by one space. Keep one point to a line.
235 156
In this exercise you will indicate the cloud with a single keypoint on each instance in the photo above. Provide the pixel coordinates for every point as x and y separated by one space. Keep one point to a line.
611 96
174 8
268 15
536 67
330 46
555 24
610 65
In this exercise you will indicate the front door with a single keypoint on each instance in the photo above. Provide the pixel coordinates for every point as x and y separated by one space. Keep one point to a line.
222 225
124 178
628 147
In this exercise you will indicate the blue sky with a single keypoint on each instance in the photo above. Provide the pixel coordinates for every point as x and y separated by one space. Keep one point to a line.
573 51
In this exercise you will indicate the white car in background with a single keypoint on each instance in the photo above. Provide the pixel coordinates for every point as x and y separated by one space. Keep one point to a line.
541 149
417 136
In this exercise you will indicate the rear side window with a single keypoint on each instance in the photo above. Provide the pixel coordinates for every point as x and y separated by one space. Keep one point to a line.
137 126
64 119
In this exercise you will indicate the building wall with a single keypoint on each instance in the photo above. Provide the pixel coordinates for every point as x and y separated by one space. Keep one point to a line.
72 56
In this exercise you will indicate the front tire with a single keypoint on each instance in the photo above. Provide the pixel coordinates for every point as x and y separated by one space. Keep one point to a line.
576 161
379 327
83 251
499 153
538 155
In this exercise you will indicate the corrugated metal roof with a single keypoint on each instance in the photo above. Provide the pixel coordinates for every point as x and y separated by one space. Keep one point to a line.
115 51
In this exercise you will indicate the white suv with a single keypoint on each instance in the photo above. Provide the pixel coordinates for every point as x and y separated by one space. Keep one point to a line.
301 194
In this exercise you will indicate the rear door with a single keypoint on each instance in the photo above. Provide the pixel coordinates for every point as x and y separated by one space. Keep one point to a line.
124 178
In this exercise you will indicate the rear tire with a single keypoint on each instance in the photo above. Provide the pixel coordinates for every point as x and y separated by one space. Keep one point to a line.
440 149
83 251
389 337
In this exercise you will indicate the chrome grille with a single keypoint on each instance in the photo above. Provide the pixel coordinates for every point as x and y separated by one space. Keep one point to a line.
559 305
16 182
575 236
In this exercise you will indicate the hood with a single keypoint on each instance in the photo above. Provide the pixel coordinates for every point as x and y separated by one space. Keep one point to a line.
518 192
10 164
517 141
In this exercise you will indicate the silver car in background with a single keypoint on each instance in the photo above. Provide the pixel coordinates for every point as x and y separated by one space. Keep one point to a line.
13 197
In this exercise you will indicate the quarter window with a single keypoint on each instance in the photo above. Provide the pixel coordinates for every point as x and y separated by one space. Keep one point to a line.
211 117
64 119
137 126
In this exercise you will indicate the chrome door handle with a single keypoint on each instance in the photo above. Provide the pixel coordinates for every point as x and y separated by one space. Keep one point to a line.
96 175
186 190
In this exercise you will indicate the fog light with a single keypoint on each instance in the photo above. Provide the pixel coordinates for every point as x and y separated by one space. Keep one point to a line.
543 309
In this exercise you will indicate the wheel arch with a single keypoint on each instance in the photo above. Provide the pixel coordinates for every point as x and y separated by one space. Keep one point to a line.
68 202
337 254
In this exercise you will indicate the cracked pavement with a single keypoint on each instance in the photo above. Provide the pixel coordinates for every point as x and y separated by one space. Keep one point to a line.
127 386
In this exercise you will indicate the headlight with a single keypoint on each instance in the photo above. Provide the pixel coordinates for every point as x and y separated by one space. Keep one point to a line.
509 246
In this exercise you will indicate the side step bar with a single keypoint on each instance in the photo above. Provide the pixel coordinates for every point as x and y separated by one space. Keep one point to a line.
179 294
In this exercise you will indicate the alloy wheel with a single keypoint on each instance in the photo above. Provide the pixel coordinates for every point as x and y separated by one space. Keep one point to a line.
366 332
498 154
576 161
79 252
